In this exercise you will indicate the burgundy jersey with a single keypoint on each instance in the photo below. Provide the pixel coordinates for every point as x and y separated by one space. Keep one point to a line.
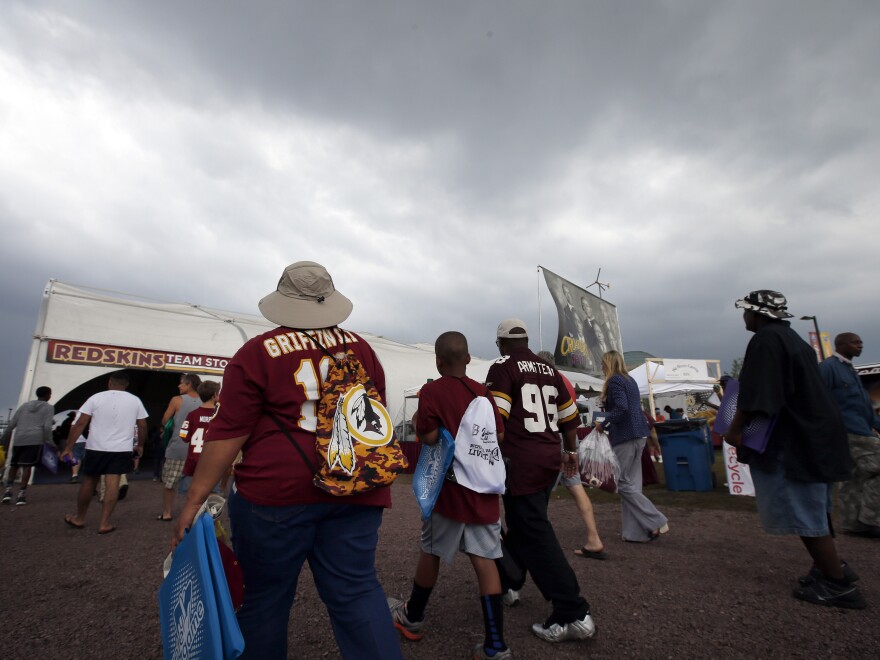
532 397
443 402
192 431
281 371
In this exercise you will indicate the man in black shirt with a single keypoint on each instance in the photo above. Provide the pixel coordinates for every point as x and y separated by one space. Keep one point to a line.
807 448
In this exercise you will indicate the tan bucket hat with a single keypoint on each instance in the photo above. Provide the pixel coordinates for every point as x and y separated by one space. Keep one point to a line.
306 298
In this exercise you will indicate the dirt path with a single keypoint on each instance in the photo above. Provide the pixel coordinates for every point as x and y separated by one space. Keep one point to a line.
715 586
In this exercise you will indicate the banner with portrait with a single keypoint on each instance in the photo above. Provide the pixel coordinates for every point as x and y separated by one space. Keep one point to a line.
588 326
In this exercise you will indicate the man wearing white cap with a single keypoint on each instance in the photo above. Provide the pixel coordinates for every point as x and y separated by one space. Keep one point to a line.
532 398
806 451
279 517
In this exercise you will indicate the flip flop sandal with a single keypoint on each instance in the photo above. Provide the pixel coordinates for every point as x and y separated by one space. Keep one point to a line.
106 531
591 554
164 519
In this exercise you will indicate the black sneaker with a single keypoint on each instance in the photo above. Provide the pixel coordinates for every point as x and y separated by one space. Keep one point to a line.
7 496
825 592
848 574
868 531
21 500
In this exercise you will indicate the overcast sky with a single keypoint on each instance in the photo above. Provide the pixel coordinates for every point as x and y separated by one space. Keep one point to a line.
433 154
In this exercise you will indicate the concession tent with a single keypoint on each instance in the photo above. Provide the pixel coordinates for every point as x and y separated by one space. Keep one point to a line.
668 376
84 334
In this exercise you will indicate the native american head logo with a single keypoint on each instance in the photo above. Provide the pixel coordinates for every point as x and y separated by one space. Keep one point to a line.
368 420
358 418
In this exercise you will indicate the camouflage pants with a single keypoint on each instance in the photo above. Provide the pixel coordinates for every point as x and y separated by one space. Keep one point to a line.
860 497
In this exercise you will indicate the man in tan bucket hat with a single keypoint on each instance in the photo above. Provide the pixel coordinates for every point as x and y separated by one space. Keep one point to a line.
279 518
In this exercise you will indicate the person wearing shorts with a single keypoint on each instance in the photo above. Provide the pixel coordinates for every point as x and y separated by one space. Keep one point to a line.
193 431
32 423
112 417
462 520
175 453
806 451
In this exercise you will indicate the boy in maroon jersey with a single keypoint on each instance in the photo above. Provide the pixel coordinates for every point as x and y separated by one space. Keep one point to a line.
533 400
194 427
279 518
462 518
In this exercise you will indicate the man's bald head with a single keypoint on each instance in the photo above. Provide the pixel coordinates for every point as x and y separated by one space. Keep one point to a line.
848 344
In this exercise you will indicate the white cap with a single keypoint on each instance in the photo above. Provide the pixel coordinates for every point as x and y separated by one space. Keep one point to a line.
512 329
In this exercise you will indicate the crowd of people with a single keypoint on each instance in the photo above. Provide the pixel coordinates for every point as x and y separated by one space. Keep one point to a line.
265 421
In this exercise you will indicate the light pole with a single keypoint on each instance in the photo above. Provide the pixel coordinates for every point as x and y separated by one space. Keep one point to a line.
818 336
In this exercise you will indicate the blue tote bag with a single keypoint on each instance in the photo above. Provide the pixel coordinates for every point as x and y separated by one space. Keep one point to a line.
196 613
434 462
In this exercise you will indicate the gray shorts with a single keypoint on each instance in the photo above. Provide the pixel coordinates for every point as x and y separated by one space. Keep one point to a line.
443 538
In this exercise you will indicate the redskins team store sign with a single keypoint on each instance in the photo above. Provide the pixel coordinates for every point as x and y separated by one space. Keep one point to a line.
124 357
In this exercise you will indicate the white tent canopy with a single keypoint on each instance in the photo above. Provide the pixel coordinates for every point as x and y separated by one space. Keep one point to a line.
89 329
651 377
667 377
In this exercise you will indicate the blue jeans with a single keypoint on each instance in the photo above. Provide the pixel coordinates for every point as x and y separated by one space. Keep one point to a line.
339 542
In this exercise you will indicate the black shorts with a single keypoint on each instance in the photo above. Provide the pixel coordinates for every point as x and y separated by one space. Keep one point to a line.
97 462
27 455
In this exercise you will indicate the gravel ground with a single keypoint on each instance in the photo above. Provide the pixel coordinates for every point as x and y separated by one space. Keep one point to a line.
714 587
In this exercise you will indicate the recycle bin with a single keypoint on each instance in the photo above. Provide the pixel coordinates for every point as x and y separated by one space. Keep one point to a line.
688 454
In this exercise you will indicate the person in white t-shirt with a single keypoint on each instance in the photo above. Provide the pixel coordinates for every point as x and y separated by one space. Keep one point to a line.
112 415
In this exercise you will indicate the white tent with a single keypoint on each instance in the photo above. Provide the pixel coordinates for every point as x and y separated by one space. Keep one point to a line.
653 374
682 377
85 333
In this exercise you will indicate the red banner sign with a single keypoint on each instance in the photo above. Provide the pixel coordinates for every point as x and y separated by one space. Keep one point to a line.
124 357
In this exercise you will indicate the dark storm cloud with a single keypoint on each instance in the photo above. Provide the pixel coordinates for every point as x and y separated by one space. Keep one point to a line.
433 154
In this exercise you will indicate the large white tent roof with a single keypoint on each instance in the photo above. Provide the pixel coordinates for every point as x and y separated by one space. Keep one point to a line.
79 314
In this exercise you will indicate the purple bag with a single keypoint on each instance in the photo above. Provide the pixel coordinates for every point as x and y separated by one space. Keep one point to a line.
49 457
756 434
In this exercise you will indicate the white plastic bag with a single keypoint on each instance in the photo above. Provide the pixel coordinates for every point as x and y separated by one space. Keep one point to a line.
598 462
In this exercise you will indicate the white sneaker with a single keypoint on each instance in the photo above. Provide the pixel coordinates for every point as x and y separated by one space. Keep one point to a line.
578 629
510 598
